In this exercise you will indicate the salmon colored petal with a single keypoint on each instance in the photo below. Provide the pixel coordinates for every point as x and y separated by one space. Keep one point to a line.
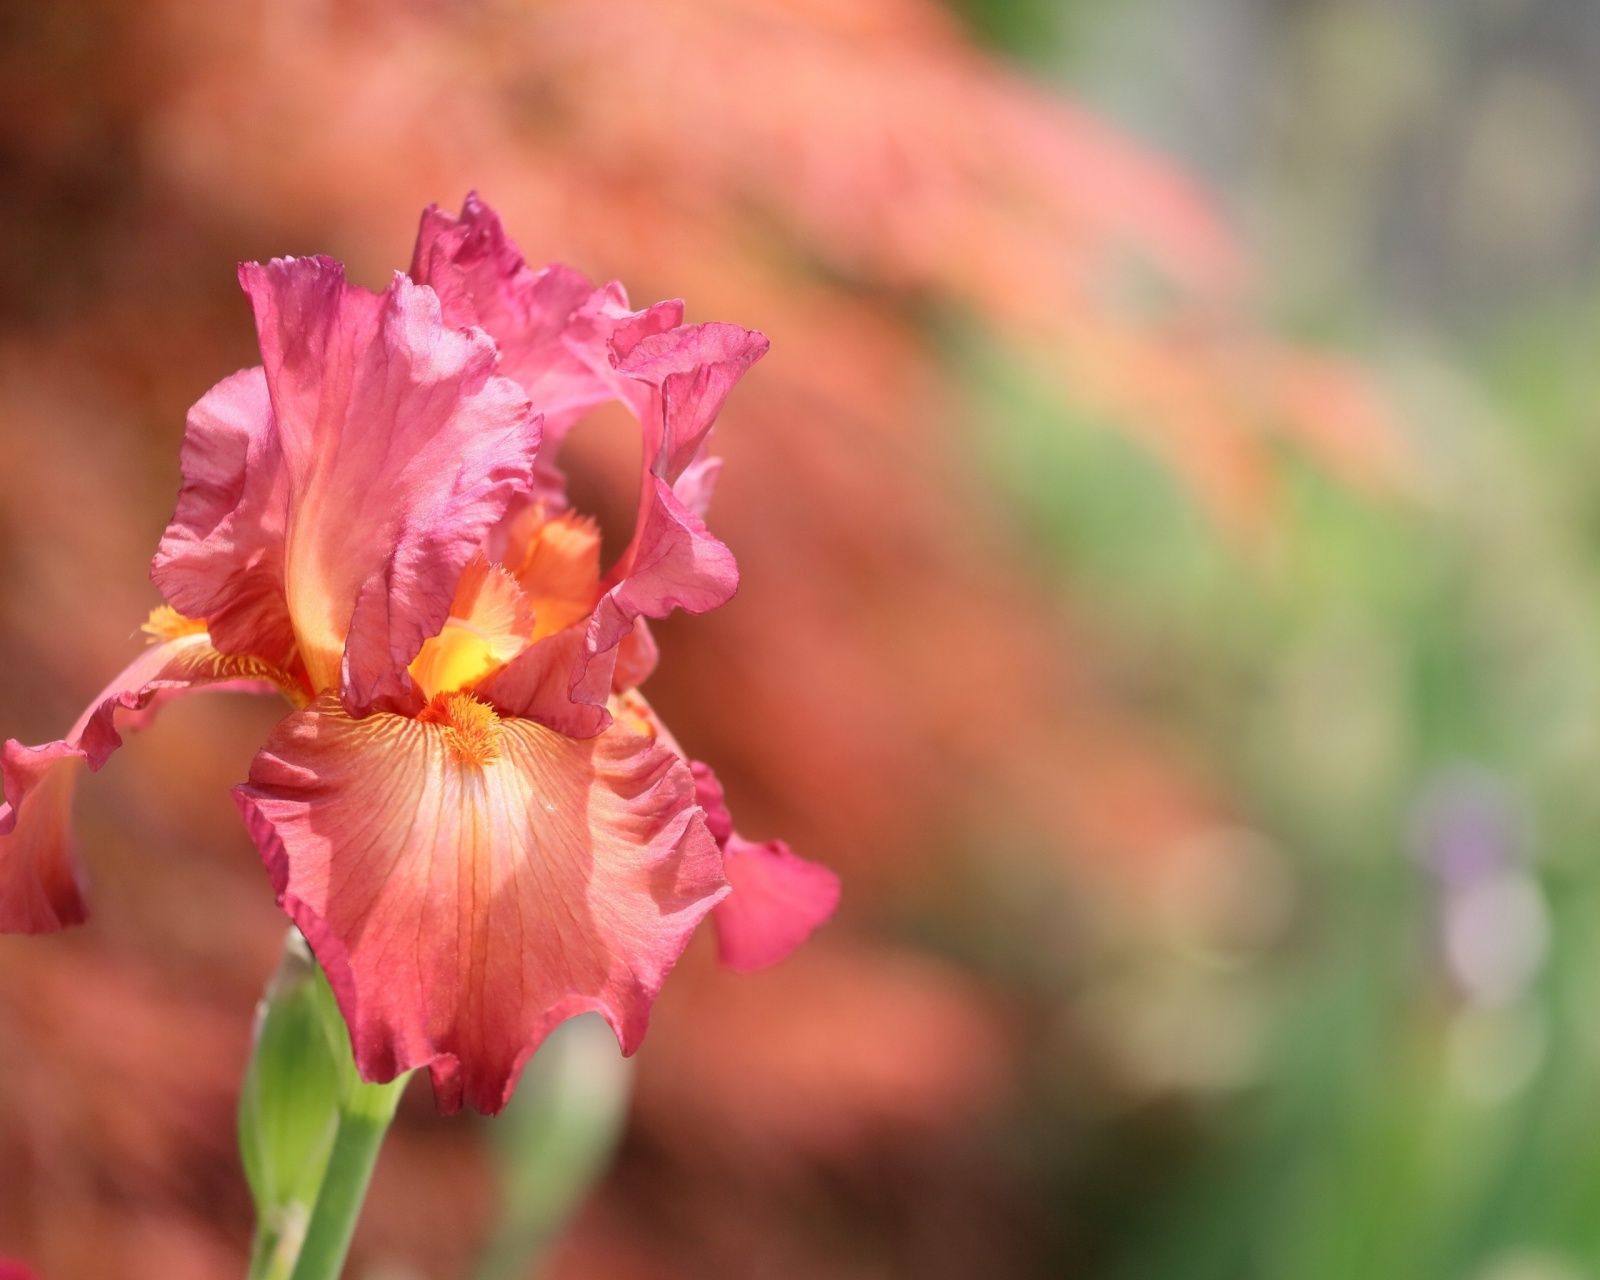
401 447
778 899
557 683
468 882
557 562
41 874
221 558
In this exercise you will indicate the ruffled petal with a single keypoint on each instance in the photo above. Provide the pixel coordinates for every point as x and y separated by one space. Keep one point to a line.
539 685
694 487
401 448
571 353
674 562
469 882
41 874
221 558
708 794
637 656
778 899
689 370
483 279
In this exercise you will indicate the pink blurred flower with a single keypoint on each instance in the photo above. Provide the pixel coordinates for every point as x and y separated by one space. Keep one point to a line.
478 823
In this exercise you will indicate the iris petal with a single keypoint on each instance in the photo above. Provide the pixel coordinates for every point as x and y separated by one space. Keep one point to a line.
41 873
464 902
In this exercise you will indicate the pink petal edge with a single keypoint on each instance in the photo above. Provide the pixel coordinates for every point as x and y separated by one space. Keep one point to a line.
778 899
41 873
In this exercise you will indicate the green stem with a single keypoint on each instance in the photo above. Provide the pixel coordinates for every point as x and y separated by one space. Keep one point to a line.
362 1125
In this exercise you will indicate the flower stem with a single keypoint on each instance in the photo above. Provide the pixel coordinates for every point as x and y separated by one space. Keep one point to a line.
362 1125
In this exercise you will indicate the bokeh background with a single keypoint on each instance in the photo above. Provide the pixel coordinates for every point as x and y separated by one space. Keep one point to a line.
1170 527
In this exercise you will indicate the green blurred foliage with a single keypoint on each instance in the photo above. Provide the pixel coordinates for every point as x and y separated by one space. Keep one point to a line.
1395 1126
555 1141
1332 674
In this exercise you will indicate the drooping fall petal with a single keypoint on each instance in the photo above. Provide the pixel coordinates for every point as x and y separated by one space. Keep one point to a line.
401 448
776 902
777 899
469 882
41 874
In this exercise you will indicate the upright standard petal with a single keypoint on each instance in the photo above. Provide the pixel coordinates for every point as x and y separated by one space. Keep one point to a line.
571 352
401 448
673 562
469 882
483 279
777 900
41 874
221 558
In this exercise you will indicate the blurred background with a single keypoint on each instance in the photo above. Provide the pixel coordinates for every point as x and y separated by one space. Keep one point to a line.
1170 528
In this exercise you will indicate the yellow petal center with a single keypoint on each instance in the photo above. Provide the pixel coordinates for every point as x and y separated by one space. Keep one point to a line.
166 623
487 627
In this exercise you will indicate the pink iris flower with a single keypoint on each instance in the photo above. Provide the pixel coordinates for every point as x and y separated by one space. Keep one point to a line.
476 820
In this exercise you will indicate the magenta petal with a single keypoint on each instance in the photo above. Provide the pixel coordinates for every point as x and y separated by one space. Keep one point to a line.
221 558
401 446
571 352
41 874
709 796
637 655
776 903
777 900
469 885
692 369
694 487
483 279
674 563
